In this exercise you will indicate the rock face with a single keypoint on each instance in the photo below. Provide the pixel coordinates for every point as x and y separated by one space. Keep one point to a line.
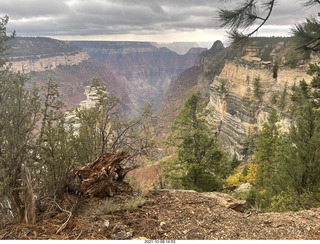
36 54
92 100
235 110
147 70
50 63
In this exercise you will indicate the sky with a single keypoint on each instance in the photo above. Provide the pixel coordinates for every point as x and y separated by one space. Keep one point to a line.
138 20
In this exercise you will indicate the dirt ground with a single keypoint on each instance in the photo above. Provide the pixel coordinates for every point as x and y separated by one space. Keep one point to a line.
172 215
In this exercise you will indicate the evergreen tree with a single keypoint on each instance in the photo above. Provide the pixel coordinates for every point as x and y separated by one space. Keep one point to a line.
200 164
300 163
55 144
265 154
19 112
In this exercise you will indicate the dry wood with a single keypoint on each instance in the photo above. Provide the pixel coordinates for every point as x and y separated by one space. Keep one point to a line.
29 201
102 177
66 211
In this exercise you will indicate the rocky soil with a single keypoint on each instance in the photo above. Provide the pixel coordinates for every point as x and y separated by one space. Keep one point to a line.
172 215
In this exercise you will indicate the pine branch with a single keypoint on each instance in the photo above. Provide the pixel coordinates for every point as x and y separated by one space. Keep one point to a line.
272 2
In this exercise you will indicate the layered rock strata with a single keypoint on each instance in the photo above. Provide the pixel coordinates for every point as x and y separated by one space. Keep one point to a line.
237 111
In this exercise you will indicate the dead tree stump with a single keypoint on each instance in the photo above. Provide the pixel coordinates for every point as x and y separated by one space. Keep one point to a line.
102 177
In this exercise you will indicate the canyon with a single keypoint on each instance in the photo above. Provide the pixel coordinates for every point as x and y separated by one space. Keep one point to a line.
136 72
147 70
66 64
140 73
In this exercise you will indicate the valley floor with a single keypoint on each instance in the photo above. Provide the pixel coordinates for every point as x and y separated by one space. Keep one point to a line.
172 215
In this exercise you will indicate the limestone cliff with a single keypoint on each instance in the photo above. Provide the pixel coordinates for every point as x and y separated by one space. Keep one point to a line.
236 111
36 54
43 64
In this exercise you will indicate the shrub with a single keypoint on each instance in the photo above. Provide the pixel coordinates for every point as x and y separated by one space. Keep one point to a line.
107 206
275 70
291 201
135 202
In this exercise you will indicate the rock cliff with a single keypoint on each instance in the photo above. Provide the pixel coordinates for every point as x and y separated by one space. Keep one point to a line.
36 54
50 63
236 111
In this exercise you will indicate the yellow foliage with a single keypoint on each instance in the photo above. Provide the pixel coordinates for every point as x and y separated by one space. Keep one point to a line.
252 170
262 191
235 178
315 110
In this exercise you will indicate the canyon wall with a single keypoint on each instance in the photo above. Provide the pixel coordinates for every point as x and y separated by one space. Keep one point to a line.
49 63
237 111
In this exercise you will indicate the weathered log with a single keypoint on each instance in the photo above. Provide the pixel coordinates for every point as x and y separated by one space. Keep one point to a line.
102 177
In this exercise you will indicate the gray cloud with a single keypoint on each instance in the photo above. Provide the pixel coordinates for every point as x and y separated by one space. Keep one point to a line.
114 17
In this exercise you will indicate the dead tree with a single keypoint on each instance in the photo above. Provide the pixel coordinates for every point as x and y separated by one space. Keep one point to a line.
102 177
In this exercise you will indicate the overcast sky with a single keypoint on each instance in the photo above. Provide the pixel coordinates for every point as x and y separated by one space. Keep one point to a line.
136 20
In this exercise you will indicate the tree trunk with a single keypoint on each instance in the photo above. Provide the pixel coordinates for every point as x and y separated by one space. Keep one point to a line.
29 201
102 177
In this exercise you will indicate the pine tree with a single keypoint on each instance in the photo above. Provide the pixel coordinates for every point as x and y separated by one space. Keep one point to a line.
265 154
200 164
298 158
300 164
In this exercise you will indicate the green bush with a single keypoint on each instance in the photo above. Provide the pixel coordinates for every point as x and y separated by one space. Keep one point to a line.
291 201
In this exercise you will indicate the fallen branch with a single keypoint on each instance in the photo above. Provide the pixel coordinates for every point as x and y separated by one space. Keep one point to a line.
66 211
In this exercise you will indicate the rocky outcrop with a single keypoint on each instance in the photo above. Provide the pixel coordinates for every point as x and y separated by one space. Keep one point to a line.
93 97
236 111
